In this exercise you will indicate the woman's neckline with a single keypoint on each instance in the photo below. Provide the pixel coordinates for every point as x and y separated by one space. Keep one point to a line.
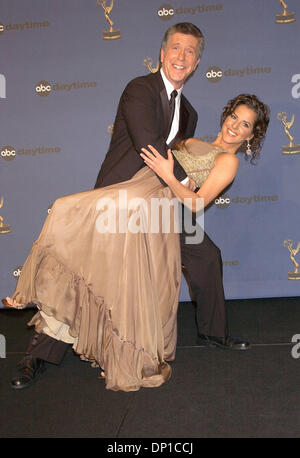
222 149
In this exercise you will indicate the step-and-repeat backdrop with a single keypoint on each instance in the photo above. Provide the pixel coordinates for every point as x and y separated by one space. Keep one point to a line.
63 67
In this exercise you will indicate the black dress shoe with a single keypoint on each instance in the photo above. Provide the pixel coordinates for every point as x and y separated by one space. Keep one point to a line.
226 343
28 370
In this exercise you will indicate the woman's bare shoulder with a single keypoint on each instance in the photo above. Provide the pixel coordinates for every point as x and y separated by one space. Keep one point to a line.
197 145
195 141
227 160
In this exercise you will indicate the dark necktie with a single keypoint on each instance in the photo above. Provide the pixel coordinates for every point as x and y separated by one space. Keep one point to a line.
172 107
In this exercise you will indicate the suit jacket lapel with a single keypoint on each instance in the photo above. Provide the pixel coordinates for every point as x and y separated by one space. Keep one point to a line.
165 110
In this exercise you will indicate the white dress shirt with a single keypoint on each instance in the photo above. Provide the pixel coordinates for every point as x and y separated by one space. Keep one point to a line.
175 123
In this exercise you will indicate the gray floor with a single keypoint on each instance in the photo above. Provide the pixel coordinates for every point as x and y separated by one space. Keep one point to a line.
212 393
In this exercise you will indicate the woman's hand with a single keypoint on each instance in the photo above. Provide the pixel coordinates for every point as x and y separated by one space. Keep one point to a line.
163 167
12 303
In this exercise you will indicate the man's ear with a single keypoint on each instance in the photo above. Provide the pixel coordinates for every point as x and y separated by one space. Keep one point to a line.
197 63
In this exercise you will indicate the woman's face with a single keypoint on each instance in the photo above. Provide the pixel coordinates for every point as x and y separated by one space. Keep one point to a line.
238 126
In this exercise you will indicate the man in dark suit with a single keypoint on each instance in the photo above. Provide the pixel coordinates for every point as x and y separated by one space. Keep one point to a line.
153 111
143 118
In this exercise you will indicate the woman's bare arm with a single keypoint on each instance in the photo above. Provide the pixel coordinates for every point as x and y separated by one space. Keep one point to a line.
221 175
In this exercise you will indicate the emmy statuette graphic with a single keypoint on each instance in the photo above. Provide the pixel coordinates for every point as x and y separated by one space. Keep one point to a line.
290 148
111 33
4 228
148 64
285 17
293 252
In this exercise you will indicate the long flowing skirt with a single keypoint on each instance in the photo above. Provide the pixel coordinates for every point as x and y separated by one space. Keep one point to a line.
109 289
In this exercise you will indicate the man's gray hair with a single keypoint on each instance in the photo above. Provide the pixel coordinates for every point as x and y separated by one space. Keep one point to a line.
188 29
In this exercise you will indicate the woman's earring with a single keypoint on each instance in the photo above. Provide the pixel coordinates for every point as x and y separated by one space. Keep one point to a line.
248 150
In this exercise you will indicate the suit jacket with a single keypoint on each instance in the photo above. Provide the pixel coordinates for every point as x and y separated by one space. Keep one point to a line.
142 119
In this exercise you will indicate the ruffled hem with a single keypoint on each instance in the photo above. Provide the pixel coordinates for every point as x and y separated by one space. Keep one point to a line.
77 316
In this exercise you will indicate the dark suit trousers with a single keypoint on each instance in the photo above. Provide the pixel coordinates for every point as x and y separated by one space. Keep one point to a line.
203 270
45 347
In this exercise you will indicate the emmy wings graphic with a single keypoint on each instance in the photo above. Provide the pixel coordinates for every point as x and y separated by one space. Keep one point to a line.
148 63
285 17
111 33
293 252
110 129
4 228
290 148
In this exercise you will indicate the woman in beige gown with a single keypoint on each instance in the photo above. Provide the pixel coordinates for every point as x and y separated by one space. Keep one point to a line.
106 283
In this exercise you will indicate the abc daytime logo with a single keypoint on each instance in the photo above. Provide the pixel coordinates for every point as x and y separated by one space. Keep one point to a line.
8 153
214 74
254 199
43 88
24 26
222 201
232 263
17 271
166 11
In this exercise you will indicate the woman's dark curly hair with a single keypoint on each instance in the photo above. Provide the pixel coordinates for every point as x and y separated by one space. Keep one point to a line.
261 123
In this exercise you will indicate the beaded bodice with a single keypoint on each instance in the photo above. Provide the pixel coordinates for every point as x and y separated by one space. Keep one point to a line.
197 158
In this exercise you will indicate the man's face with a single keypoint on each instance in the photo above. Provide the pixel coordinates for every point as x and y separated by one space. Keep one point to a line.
179 59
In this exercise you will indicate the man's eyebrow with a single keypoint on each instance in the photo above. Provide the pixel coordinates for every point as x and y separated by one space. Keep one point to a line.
188 46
